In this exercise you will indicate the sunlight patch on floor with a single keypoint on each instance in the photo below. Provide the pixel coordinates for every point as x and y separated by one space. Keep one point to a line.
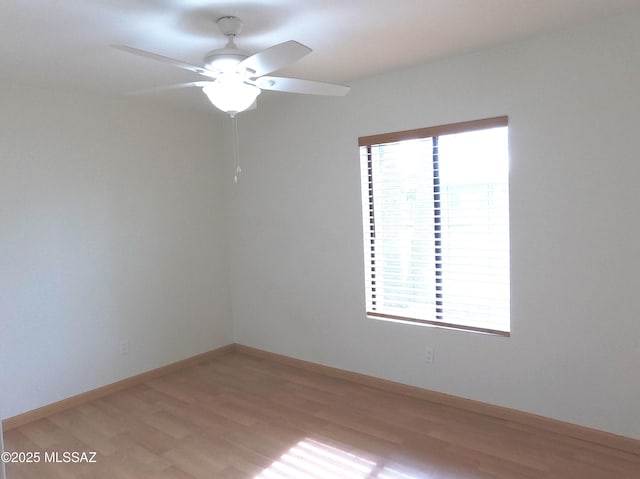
310 459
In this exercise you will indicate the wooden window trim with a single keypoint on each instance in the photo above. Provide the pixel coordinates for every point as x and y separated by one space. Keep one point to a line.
448 129
441 324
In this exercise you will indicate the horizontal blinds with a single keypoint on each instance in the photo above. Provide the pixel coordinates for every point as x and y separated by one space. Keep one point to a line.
437 229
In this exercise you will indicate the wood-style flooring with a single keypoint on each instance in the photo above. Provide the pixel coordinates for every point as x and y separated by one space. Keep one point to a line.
242 417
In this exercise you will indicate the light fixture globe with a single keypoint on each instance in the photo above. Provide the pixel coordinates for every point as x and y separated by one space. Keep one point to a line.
231 94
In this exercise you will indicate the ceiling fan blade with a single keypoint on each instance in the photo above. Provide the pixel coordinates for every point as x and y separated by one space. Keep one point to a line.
162 58
170 87
295 85
273 58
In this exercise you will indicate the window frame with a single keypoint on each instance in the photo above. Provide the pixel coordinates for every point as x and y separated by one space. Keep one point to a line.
367 218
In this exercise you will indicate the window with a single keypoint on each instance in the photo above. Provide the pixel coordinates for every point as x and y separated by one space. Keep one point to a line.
436 225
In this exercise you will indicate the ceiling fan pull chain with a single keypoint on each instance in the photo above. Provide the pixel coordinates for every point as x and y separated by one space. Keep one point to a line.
236 148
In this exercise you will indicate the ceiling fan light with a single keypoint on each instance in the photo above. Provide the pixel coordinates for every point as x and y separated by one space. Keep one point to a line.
231 94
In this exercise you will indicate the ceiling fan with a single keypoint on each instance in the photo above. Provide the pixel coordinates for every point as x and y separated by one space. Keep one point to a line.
235 77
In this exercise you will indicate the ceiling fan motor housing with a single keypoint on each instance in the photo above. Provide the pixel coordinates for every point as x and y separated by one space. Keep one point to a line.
223 59
228 57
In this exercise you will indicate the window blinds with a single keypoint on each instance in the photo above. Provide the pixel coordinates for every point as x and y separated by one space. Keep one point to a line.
436 227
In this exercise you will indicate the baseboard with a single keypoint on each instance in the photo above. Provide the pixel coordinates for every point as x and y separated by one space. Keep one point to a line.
53 408
575 431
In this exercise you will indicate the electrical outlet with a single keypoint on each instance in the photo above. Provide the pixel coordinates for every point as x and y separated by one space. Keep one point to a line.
124 347
428 355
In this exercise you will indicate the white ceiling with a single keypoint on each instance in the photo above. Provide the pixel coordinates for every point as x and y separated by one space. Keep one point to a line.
65 44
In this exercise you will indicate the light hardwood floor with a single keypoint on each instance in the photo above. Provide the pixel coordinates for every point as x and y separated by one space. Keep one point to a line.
243 417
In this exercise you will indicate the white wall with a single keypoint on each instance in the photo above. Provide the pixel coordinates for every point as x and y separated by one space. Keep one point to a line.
112 228
574 109
2 468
